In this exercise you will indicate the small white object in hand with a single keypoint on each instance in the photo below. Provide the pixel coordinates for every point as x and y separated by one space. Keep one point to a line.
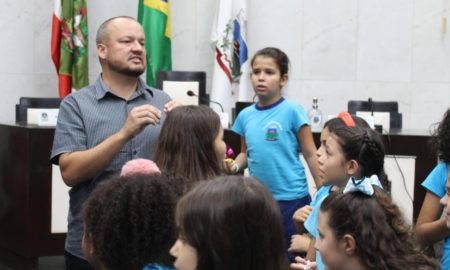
307 265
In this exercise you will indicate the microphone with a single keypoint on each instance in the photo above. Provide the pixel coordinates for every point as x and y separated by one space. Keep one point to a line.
371 106
192 94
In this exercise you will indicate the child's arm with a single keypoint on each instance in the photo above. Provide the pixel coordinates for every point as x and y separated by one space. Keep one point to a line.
240 162
305 138
430 227
311 254
300 243
303 264
300 216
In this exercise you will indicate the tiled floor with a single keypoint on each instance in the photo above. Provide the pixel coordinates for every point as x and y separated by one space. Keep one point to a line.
45 263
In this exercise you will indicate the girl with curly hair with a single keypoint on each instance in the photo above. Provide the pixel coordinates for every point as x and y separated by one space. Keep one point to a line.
129 222
231 222
431 226
361 228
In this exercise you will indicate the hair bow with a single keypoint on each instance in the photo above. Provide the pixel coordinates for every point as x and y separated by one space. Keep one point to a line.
364 185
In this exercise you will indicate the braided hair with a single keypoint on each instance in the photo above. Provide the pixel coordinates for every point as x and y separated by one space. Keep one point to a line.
366 147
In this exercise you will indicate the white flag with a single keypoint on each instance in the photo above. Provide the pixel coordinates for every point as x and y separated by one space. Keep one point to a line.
231 59
242 76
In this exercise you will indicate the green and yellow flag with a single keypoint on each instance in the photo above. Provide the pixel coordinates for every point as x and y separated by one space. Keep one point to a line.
154 15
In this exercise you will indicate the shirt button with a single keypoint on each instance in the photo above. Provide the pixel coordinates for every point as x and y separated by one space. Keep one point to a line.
134 152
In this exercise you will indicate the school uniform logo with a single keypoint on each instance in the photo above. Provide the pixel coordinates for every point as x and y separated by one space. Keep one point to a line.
272 130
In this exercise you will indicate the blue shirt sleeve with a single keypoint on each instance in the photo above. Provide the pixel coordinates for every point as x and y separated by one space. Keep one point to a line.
300 118
237 126
154 266
312 220
436 181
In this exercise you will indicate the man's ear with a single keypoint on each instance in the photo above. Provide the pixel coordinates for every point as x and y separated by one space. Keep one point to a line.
352 167
101 50
349 244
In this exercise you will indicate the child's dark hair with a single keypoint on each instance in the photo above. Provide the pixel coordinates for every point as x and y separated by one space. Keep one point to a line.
276 54
366 147
233 223
336 122
383 239
130 220
185 145
441 138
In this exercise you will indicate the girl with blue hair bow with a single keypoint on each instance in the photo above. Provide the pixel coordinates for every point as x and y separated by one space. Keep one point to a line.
361 228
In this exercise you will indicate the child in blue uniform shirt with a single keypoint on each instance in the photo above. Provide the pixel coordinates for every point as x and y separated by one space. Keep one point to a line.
300 242
431 227
348 150
273 133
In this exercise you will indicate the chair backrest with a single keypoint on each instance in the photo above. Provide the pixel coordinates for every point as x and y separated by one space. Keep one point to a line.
34 102
178 83
239 106
391 107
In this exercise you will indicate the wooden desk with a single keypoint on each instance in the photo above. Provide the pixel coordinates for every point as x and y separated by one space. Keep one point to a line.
397 142
25 178
413 143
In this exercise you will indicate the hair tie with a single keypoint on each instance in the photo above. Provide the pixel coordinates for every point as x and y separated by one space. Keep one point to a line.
347 119
354 185
374 180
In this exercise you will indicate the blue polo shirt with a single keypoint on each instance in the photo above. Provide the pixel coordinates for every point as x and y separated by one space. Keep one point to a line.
436 183
273 149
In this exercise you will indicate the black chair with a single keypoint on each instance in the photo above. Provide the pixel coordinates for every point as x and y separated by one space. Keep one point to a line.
391 107
239 106
34 102
178 83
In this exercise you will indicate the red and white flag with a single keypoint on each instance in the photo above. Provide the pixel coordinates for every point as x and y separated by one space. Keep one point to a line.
69 44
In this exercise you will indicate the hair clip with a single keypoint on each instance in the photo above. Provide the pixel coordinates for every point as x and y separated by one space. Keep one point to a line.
347 119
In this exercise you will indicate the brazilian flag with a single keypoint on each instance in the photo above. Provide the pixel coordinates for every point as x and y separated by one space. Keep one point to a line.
154 15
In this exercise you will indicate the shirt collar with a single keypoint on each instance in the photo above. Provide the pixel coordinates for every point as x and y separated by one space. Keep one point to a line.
260 108
101 89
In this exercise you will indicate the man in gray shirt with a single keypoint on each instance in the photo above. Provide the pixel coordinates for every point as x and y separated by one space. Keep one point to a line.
104 125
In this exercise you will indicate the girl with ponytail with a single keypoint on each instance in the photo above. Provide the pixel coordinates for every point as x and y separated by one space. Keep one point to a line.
351 151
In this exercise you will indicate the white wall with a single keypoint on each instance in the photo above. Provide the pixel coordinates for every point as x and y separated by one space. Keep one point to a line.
340 50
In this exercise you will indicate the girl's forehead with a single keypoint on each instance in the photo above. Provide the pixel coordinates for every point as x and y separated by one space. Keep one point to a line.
322 219
333 141
264 60
324 134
